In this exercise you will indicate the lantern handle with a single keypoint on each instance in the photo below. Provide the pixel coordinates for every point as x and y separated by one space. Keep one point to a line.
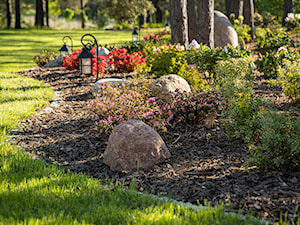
66 41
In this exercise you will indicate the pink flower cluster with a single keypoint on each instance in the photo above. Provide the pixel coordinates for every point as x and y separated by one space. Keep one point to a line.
117 104
122 60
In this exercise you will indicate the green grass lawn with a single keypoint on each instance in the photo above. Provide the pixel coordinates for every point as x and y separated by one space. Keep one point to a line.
33 192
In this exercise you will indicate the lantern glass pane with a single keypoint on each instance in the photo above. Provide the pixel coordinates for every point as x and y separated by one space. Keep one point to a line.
134 37
86 66
63 53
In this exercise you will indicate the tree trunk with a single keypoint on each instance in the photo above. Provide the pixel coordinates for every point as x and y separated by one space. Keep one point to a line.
82 14
39 13
179 23
235 7
8 13
248 15
192 20
158 12
17 15
205 34
289 6
47 12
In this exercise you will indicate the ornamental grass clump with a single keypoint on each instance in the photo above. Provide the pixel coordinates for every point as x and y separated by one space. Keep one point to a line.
117 104
192 107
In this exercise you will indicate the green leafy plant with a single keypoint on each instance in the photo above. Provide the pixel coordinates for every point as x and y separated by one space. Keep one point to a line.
279 146
270 40
233 76
206 58
166 59
289 79
241 29
292 21
45 57
269 62
242 118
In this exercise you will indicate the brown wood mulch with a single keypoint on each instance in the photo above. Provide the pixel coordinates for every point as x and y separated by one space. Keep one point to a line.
205 164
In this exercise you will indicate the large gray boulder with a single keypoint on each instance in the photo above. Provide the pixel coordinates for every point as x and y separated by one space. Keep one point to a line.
165 86
134 143
102 82
54 63
224 32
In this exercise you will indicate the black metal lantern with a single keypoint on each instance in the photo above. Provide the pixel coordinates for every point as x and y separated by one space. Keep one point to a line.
167 27
65 50
86 57
85 61
135 35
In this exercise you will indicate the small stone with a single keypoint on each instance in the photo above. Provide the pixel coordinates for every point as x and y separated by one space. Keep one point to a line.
294 180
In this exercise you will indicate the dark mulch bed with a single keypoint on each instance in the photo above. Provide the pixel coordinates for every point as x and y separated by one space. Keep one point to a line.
205 163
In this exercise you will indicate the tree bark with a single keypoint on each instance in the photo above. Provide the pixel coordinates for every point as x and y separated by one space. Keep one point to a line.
289 6
39 13
192 20
179 22
235 7
248 15
82 14
8 13
205 32
17 15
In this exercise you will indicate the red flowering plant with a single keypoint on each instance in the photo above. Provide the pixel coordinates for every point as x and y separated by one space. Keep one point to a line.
122 60
72 63
151 37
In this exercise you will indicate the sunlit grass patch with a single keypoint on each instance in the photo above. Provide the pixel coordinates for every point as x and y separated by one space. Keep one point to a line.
19 97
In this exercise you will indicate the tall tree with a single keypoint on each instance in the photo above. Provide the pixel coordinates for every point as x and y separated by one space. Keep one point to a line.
47 12
127 10
235 7
82 14
8 13
158 12
179 22
288 7
39 13
248 15
192 19
205 10
17 14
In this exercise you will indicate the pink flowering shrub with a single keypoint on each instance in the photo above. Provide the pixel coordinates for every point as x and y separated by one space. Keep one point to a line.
117 104
72 63
193 107
122 60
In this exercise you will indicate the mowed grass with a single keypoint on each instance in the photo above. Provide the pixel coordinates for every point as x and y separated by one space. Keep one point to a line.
34 192
20 46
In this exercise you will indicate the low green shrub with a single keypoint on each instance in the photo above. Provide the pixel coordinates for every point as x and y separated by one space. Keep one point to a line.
45 57
241 29
166 59
289 79
242 118
233 76
279 146
271 40
206 58
269 62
